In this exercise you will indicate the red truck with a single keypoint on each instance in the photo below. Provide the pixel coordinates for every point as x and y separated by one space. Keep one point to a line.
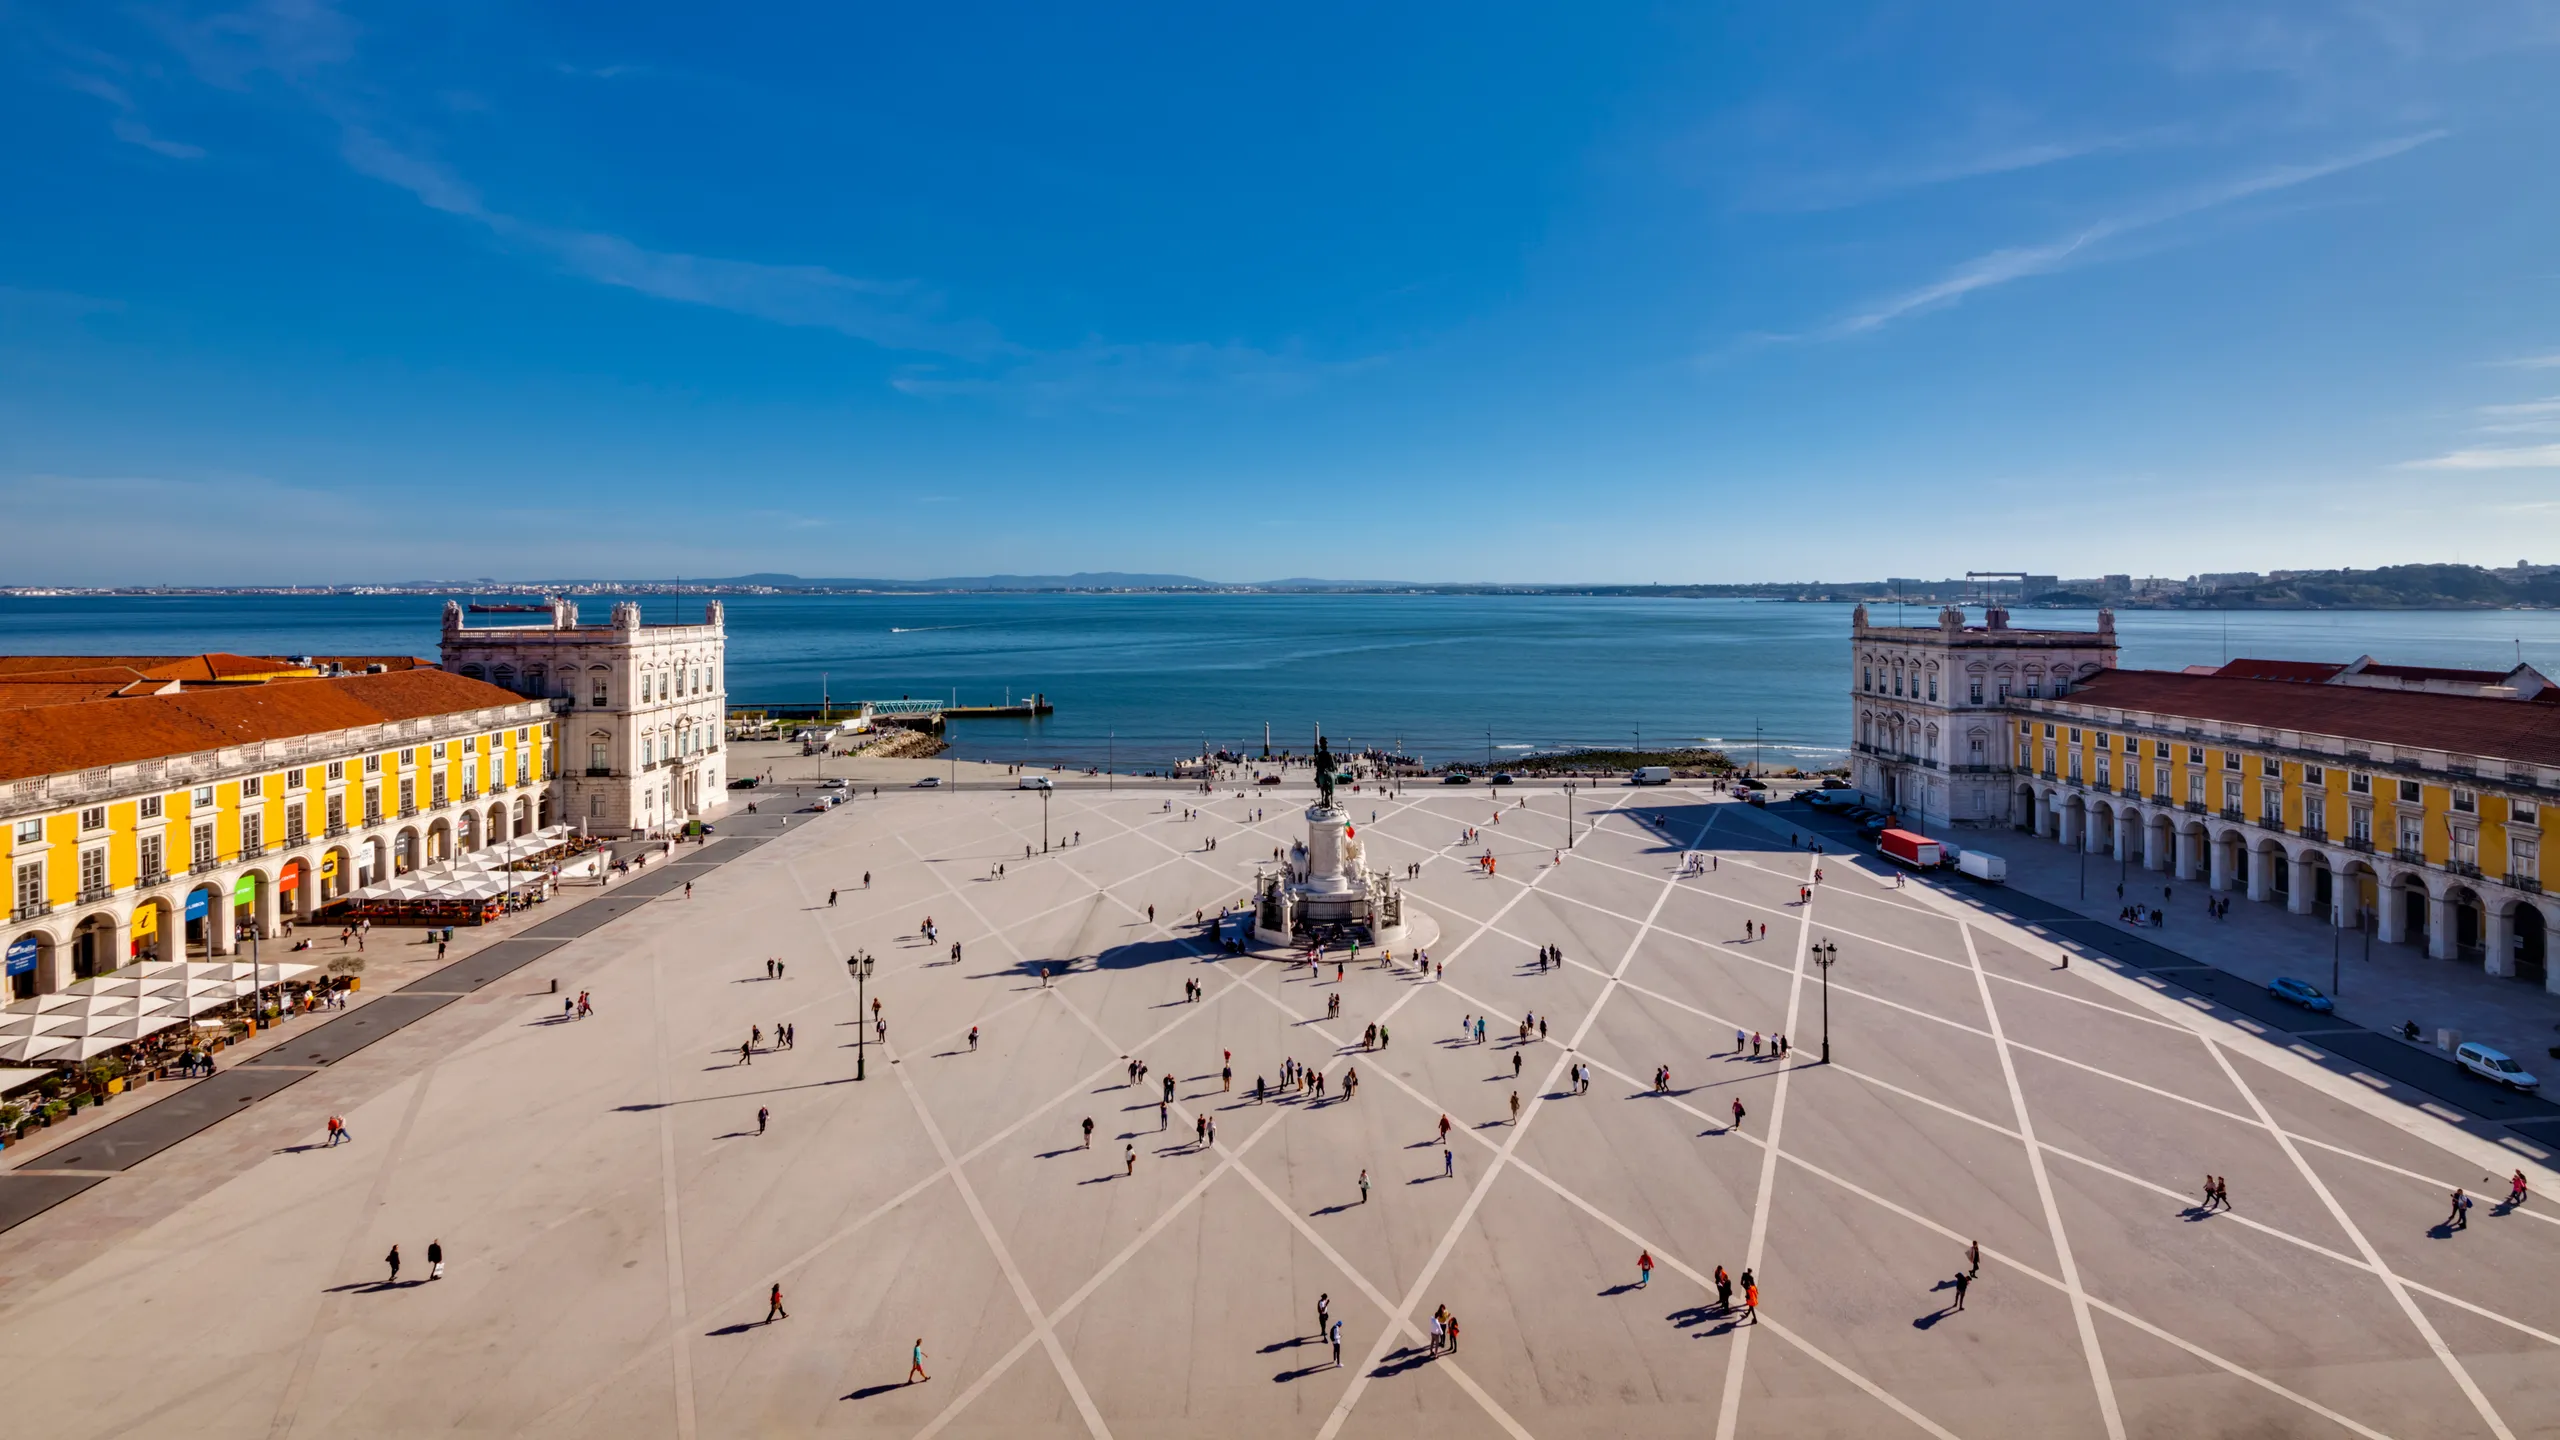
1911 848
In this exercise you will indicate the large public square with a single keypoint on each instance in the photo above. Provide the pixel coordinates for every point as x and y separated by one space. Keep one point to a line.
613 1221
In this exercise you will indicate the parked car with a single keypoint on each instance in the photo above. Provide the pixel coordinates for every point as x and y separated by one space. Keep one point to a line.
2493 1065
1872 828
1033 782
930 782
1498 777
1457 777
1268 780
2302 993
1834 782
746 782
832 783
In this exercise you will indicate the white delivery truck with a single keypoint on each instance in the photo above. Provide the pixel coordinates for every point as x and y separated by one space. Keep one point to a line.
1651 775
1983 865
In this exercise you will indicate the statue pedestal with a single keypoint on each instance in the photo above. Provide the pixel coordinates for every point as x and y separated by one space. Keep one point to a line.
1326 872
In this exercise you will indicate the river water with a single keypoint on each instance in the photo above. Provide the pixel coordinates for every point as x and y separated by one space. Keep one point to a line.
1141 679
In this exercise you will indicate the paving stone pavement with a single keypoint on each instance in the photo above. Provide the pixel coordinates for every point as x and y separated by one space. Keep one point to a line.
614 1215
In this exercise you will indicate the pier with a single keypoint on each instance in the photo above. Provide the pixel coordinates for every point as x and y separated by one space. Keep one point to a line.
897 712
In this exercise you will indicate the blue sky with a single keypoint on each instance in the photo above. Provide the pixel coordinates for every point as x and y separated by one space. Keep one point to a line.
321 292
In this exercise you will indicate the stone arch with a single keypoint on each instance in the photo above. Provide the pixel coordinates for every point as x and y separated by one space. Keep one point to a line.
2229 859
467 832
208 913
2270 870
374 864
408 850
2529 930
2195 848
45 978
472 671
298 888
439 840
496 829
2466 915
95 946
150 930
503 676
258 910
2022 806
2357 890
335 875
524 815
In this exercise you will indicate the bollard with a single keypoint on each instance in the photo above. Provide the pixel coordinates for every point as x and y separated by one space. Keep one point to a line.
555 986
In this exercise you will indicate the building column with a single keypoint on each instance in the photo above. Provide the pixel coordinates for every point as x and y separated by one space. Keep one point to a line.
2439 927
2346 900
119 942
262 911
2066 830
2498 941
2390 909
2306 883
217 923
2155 855
53 972
2262 873
2124 835
2183 841
2218 865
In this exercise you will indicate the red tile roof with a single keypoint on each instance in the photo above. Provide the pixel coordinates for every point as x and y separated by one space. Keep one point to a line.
62 738
2313 672
2485 726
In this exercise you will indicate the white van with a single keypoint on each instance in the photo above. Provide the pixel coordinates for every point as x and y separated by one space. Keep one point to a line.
1651 775
1033 782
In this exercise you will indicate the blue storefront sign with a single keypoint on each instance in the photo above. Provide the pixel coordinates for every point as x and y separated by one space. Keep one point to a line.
196 902
22 955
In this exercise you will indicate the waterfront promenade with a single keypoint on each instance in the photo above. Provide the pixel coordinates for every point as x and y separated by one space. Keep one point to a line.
613 1221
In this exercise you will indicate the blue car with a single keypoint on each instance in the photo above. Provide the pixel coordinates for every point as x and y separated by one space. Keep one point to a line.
2295 992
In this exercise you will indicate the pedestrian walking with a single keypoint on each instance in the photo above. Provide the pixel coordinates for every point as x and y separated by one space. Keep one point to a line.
1515 1107
435 1259
1364 1187
1132 1161
1737 1112
915 1360
2516 1191
831 899
688 889
1724 1290
1336 1336
1324 1312
1964 1282
1088 1133
1750 1297
1644 1269
763 1117
1515 1064
1448 1163
973 1039
393 1260
2460 1219
773 1306
1973 1258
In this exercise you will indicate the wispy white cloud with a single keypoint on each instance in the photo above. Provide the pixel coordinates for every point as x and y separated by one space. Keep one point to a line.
1099 375
1815 191
2533 362
2514 457
1999 267
127 124
2527 407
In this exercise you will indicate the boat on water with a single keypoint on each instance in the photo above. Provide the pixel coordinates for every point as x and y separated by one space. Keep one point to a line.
478 609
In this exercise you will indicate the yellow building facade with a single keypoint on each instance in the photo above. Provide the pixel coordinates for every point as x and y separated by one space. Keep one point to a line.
2418 813
127 836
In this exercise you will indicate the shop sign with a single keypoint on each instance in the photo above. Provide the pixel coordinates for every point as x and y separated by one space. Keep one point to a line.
22 955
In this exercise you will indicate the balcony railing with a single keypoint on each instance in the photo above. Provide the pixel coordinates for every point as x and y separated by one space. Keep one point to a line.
2407 856
295 837
2195 807
2315 832
335 831
2525 882
205 865
2464 868
408 812
96 894
2231 813
150 878
34 909
252 852
2359 842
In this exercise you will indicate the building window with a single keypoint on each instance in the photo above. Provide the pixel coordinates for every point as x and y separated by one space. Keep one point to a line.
1867 677
373 764
2409 792
93 871
94 818
1933 688
372 803
2466 846
2523 812
253 833
2160 782
337 770
2075 735
595 805
2104 779
2270 766
2315 815
30 887
2035 687
599 694
524 767
596 757
204 795
149 807
1973 693
437 781
293 824
2195 754
2074 758
2466 802
2314 775
293 779
2231 796
337 813
2524 856
2413 834
203 850
409 757
2271 806
2360 825
439 749
152 863
408 796
2106 742
2230 759
2195 788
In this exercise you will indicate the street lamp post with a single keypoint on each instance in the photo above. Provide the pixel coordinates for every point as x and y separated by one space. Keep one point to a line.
1568 814
859 965
1823 954
1044 819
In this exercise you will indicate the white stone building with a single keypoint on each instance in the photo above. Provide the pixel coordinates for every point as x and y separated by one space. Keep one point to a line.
1929 739
639 707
